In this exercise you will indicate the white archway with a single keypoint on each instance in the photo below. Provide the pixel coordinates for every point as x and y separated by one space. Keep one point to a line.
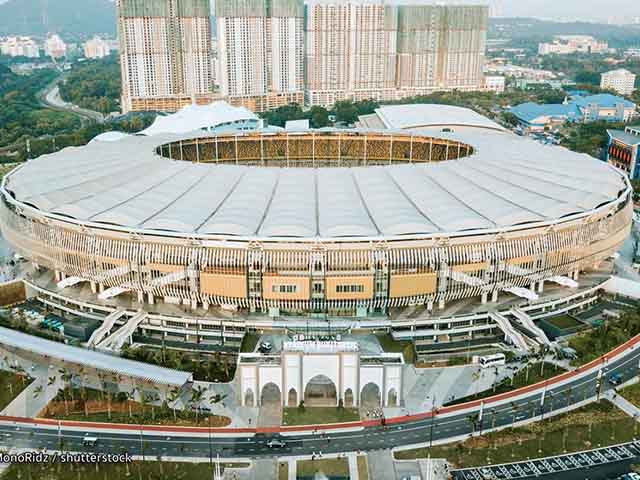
320 391
270 395
370 395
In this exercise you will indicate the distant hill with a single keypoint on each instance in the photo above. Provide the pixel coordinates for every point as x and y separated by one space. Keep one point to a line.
73 19
543 30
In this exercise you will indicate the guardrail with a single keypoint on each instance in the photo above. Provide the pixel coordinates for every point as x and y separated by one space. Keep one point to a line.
443 411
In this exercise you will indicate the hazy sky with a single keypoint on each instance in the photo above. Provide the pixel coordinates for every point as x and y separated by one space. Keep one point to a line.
572 9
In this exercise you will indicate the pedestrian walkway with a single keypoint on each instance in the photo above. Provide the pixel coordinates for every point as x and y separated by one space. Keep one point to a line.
353 466
381 464
293 469
33 399
623 404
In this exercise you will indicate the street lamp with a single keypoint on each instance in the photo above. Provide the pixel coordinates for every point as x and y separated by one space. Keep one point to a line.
433 414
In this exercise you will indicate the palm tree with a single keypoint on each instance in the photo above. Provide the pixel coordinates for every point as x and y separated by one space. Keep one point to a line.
196 397
38 391
174 395
514 409
473 420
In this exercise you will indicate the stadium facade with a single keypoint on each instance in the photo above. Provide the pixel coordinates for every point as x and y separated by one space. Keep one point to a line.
436 206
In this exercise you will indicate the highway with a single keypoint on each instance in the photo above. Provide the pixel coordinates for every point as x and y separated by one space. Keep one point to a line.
450 423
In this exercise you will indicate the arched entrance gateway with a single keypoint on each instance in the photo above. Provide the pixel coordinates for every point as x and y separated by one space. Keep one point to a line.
348 398
292 401
370 396
320 392
270 395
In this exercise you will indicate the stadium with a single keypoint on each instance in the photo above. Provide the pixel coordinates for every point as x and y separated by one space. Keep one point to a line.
420 205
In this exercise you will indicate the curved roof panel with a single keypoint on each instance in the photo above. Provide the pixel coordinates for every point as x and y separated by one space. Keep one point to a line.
506 181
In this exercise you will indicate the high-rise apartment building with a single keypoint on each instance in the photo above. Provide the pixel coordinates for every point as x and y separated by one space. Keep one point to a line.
165 53
387 50
96 48
19 47
260 52
55 47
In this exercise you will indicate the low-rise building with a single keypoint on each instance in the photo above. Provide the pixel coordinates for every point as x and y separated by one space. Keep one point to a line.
96 48
623 150
494 83
590 108
621 81
19 47
567 44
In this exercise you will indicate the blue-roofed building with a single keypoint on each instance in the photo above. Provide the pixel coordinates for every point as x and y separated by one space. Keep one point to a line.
591 108
536 117
623 151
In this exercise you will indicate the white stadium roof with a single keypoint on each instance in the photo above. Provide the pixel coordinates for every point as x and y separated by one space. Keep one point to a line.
507 181
430 115
197 117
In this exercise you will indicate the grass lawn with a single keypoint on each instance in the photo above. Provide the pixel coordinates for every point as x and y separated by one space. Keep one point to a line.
330 467
631 393
318 415
564 321
283 471
536 373
363 469
122 411
106 471
597 424
389 345
10 387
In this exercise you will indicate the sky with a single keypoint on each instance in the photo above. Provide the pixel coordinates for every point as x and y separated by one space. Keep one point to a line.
595 10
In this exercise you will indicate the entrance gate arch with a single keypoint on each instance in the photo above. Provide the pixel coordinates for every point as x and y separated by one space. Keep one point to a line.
320 391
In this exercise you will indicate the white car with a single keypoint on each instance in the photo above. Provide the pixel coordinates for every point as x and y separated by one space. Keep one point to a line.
276 444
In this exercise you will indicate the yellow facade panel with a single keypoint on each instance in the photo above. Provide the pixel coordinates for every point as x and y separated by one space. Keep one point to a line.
277 287
470 267
412 285
223 285
358 287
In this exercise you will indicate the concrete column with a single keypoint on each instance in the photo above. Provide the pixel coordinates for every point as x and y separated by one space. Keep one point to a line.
541 286
532 287
441 304
140 296
94 287
57 276
484 297
194 304
430 306
494 296
100 288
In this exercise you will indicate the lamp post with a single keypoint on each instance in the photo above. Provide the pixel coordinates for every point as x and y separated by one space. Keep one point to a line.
433 414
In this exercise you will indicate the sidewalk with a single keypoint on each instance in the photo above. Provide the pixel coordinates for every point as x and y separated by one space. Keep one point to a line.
623 404
31 402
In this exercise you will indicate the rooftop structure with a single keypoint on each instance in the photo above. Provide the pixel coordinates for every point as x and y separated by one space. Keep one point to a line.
215 117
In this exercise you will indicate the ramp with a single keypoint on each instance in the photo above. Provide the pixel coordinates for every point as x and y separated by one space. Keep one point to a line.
104 329
512 334
528 323
117 339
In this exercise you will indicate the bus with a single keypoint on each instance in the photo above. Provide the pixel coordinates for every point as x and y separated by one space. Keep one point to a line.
89 441
495 360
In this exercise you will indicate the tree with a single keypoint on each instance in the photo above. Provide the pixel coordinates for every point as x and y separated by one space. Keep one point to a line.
174 395
346 112
318 117
197 394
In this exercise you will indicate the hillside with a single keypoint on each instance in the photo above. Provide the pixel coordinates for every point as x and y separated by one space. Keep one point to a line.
74 19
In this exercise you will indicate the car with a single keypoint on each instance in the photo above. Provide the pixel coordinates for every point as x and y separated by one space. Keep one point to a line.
275 443
616 379
265 347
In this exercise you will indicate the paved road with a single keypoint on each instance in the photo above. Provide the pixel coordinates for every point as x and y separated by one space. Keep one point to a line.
50 97
443 427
